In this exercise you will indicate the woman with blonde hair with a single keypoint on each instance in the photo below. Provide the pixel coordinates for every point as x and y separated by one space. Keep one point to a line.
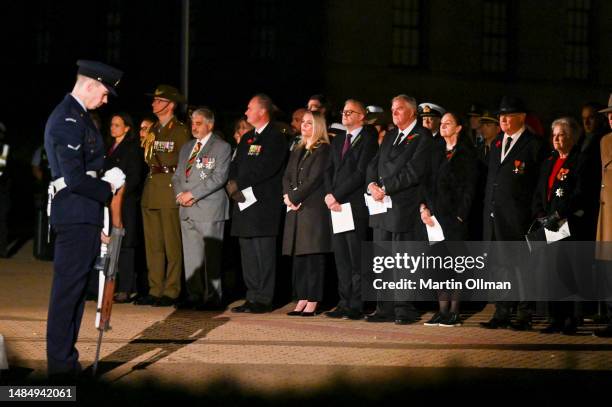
307 234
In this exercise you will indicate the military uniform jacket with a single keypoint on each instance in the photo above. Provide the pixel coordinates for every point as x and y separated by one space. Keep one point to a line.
158 192
307 230
206 180
345 177
402 170
74 146
259 163
510 187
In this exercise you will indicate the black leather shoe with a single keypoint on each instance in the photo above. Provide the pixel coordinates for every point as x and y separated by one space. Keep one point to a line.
210 306
353 315
246 307
336 313
377 317
604 332
309 314
185 304
294 313
404 321
146 300
165 301
495 323
259 308
521 325
553 328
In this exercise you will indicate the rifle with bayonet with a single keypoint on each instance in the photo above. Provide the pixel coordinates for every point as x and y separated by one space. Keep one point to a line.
107 266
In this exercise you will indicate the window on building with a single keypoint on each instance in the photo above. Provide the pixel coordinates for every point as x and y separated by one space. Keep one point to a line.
577 39
113 33
263 32
407 38
495 35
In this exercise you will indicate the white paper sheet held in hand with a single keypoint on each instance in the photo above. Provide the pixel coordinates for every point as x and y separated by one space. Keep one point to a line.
435 232
249 197
374 207
563 232
343 221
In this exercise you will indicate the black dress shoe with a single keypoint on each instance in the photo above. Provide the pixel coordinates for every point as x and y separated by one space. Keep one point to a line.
521 325
164 301
553 328
259 308
604 332
404 321
377 317
336 313
294 313
210 306
146 300
353 315
495 323
309 314
185 304
246 307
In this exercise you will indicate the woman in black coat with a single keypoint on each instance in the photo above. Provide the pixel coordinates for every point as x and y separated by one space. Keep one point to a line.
126 154
449 195
307 234
560 198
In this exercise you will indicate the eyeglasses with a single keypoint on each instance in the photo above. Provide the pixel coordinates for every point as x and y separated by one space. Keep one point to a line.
348 112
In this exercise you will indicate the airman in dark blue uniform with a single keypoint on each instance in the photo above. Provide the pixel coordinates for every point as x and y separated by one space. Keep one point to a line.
75 151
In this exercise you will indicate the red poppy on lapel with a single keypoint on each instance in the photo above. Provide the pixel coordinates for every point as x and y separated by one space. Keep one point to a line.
498 144
410 138
562 174
249 141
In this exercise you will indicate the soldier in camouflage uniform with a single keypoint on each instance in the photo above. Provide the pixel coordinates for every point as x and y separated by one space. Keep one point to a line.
162 227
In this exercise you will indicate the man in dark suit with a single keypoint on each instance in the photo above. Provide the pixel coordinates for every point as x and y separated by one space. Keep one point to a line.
258 164
398 171
344 183
76 156
514 165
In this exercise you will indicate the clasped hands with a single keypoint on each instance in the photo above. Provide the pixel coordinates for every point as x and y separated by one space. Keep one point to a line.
185 199
290 204
332 203
377 192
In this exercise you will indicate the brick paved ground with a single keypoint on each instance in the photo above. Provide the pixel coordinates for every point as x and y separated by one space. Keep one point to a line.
272 353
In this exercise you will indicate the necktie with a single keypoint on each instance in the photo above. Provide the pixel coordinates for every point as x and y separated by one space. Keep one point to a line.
192 159
398 139
347 144
507 145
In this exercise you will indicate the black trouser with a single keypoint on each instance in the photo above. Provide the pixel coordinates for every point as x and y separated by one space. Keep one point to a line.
399 309
347 254
308 276
259 267
76 248
503 309
5 204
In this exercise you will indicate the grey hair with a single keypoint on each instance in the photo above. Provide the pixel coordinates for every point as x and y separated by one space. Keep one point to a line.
206 113
408 99
570 125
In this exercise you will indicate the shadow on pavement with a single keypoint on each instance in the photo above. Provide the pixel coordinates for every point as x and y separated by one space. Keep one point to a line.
163 338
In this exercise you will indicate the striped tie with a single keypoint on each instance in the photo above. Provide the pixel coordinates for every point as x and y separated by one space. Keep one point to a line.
192 159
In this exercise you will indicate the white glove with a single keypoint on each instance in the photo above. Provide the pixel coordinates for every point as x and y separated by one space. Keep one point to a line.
115 177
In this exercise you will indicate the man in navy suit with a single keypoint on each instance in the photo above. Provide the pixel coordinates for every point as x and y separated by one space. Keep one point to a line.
75 151
398 171
514 166
345 183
